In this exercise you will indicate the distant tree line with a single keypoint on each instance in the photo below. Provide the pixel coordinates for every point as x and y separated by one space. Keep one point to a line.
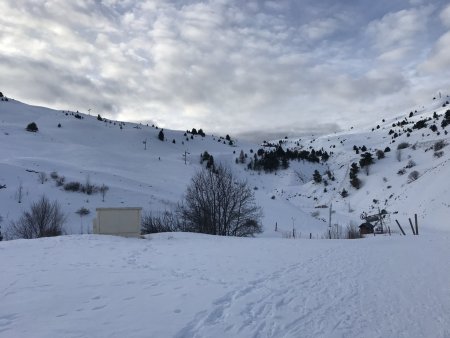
279 158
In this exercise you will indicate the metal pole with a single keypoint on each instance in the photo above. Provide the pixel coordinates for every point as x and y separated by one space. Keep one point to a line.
329 221
417 225
293 229
381 220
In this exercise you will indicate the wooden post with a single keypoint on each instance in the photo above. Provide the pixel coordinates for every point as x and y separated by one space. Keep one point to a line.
380 217
310 235
329 221
401 229
276 226
412 228
389 229
293 228
417 224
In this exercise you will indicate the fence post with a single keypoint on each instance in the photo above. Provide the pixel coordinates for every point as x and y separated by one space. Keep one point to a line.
412 228
417 225
401 229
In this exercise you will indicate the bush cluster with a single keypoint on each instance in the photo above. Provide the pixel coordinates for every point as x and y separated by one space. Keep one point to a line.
32 127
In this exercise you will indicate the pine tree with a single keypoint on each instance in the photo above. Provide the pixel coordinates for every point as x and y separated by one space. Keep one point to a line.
161 135
317 177
366 160
354 180
242 157
210 163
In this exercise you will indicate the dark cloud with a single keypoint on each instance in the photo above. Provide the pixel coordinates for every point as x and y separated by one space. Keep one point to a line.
227 65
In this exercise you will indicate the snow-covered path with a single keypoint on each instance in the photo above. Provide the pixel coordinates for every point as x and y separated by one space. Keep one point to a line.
339 293
184 285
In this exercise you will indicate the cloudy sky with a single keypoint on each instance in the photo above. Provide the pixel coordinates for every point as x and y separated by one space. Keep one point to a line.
230 66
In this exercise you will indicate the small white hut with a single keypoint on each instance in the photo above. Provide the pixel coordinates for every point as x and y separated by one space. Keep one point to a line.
118 221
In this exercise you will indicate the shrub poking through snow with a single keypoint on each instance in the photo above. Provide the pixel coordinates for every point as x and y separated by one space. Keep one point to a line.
72 186
380 154
32 127
166 221
42 177
401 171
439 145
352 232
403 145
413 175
410 164
44 219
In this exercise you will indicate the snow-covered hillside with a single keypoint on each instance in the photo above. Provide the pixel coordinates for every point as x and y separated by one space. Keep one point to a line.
155 178
113 153
191 285
387 184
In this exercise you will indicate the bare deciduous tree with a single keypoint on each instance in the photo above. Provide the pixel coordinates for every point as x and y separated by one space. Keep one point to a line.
1 236
160 222
218 204
103 190
42 177
82 212
88 187
45 219
19 193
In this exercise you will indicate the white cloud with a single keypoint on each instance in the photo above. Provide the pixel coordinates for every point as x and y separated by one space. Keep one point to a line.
220 64
445 16
320 29
395 34
439 58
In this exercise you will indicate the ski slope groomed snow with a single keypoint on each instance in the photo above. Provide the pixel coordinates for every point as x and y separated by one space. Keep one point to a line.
189 285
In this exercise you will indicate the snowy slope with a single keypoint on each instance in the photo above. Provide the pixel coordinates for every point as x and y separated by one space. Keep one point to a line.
384 188
191 285
112 153
154 179
186 285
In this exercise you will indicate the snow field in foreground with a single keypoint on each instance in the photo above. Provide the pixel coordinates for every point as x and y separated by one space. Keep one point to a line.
186 285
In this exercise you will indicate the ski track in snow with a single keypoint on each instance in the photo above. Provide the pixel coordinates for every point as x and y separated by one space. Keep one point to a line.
90 286
296 288
319 300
